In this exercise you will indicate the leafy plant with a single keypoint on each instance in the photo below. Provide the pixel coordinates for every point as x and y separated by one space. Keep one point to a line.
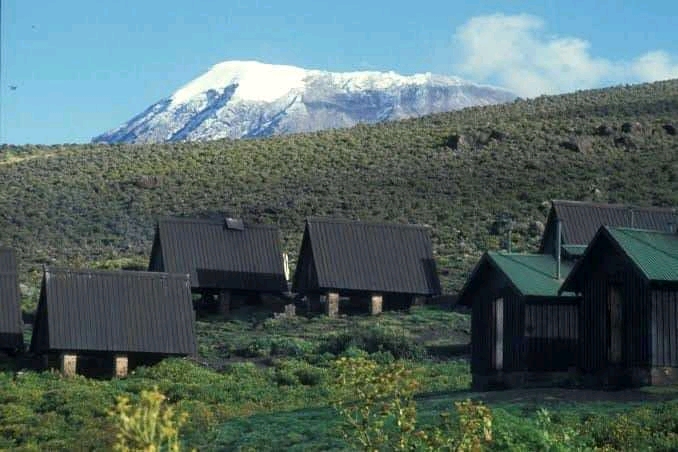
149 426
380 412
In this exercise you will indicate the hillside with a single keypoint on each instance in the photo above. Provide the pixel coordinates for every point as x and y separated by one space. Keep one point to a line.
95 204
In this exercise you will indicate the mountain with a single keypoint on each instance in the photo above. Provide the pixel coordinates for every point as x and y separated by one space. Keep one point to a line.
245 99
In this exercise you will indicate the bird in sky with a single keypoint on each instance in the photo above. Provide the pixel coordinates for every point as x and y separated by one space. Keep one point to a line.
13 87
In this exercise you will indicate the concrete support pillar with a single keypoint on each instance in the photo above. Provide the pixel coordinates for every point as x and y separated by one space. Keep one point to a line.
121 365
225 303
376 304
332 304
69 364
418 300
290 310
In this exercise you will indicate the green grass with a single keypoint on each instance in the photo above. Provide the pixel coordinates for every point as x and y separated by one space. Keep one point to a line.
283 400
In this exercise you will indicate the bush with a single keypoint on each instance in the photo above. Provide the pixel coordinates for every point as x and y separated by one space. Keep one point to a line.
375 339
380 412
149 426
294 372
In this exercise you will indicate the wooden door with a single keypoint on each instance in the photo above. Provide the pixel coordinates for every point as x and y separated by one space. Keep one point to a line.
614 312
499 333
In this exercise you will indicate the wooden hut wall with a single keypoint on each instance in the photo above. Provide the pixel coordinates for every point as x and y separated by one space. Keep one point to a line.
483 325
664 325
612 272
551 332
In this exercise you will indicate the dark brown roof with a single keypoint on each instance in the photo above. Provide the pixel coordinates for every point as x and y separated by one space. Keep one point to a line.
220 254
581 220
11 325
367 257
114 311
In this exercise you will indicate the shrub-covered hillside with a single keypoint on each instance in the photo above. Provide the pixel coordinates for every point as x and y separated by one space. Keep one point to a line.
95 205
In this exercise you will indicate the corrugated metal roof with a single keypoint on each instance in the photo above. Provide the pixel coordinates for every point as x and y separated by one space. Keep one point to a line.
655 253
372 257
218 256
11 325
121 311
574 250
531 274
581 220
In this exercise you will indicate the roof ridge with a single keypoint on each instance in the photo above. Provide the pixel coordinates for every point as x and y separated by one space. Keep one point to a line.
363 222
524 264
212 221
97 271
651 231
613 205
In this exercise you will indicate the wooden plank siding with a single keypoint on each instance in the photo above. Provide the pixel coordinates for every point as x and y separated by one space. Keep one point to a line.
664 326
551 332
595 316
539 333
484 334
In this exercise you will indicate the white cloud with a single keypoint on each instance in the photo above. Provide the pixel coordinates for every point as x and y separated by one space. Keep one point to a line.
515 52
657 65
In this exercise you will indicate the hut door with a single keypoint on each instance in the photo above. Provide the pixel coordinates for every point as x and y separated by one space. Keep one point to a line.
499 333
614 312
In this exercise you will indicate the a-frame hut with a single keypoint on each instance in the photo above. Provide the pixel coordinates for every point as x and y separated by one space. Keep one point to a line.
522 331
224 257
379 264
628 281
581 220
107 321
11 325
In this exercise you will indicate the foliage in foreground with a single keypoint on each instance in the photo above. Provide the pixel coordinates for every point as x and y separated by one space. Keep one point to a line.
148 426
280 407
380 412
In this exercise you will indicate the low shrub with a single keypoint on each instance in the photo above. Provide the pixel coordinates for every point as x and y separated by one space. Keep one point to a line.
375 339
149 425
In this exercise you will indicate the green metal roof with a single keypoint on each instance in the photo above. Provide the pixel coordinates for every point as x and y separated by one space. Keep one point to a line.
531 274
574 250
655 253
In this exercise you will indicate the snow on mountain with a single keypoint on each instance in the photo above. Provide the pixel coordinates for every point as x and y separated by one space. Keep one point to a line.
243 99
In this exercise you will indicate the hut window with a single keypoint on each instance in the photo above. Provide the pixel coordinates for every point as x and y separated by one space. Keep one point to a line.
499 333
614 311
235 224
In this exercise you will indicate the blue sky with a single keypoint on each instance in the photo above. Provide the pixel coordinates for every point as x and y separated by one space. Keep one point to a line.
72 69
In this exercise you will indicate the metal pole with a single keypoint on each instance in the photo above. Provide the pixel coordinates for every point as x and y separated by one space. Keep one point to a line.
2 84
558 240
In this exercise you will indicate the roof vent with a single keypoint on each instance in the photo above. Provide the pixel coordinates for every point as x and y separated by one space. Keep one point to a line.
235 224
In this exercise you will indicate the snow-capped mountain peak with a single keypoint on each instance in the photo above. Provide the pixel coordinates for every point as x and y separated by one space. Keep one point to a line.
239 99
258 82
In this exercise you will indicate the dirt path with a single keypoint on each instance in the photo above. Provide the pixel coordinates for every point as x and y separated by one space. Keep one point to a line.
18 159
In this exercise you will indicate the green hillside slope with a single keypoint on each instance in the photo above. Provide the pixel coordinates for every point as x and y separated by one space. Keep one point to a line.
95 205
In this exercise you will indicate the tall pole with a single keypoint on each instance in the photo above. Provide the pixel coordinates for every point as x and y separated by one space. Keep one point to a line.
2 85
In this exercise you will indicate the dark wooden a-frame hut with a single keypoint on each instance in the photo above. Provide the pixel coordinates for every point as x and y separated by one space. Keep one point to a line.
628 281
522 330
224 257
11 325
112 319
378 263
581 220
